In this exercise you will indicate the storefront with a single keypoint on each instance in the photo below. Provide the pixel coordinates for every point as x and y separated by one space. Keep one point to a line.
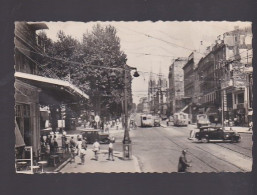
31 91
27 114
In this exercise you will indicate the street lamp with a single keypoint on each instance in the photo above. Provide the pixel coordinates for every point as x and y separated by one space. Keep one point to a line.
127 147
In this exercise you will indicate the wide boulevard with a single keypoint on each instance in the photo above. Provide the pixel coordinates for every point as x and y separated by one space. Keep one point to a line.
158 149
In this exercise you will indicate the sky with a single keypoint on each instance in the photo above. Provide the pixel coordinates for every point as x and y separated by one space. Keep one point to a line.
152 46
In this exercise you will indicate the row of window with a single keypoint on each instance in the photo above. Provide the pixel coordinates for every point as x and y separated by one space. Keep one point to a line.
209 97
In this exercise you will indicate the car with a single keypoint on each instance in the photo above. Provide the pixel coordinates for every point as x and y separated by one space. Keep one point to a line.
202 120
157 122
93 134
208 133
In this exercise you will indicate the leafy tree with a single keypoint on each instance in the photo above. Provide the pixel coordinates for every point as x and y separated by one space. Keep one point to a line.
95 65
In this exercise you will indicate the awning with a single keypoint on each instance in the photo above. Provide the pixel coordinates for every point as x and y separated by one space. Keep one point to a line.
52 90
19 141
38 25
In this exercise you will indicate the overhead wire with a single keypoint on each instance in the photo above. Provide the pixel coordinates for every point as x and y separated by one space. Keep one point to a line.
170 43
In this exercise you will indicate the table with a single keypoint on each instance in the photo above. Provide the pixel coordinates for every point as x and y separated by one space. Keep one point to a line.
35 168
22 164
42 163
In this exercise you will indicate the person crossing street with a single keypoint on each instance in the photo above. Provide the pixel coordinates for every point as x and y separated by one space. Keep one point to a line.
183 163
96 149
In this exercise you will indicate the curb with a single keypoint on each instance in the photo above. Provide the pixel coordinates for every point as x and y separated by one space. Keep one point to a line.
134 158
247 132
137 164
62 165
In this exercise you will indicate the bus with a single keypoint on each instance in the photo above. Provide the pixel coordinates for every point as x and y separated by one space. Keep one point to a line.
147 120
180 119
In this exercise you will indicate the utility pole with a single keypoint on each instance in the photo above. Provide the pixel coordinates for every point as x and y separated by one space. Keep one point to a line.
222 109
127 147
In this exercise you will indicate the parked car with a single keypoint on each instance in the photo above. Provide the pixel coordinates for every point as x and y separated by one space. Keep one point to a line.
216 133
94 134
157 122
202 120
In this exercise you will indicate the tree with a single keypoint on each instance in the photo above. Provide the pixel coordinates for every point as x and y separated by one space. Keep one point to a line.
95 65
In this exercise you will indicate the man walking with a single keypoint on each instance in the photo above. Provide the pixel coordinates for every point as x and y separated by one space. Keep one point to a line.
96 149
183 164
73 149
110 154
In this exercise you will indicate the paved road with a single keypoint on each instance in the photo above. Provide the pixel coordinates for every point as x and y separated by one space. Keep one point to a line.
158 150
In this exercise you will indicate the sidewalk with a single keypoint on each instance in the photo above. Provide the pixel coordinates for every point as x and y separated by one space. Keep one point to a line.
235 128
102 165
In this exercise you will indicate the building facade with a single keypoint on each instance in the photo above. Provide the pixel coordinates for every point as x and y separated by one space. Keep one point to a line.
176 85
220 84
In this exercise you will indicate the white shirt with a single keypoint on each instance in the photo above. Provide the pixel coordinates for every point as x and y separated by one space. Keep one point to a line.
111 145
96 146
79 143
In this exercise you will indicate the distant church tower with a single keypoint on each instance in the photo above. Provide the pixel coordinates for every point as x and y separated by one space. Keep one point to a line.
151 86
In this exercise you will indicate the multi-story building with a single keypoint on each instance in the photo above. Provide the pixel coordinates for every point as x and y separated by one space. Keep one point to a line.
176 85
191 85
237 81
225 88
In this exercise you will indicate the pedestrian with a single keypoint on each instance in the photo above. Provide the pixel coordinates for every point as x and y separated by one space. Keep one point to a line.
96 149
230 122
79 145
84 143
110 150
82 155
183 164
51 145
235 121
55 144
192 134
117 125
73 149
66 142
250 126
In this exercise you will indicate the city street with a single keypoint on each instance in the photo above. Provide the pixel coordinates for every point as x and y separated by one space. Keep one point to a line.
158 150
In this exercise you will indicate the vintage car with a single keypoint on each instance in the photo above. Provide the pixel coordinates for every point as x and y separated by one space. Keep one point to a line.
202 120
208 133
157 122
94 134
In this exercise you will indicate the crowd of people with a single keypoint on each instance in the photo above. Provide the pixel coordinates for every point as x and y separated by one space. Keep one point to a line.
103 125
72 146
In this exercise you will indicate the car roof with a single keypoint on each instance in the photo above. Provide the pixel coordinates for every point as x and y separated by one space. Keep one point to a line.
208 127
90 130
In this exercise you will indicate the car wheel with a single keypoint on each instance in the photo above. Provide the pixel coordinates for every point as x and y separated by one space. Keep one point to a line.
204 140
238 139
